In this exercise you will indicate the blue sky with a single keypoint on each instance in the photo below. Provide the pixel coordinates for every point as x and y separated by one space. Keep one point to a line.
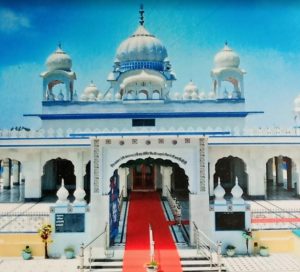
266 35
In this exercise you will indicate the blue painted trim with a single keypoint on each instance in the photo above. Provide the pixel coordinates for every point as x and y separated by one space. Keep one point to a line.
259 136
47 145
45 138
166 101
130 115
255 143
91 134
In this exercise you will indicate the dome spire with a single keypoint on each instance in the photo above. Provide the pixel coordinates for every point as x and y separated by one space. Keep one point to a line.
142 15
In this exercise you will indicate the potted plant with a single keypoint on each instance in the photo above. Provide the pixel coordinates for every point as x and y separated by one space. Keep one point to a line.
45 233
27 253
230 250
69 252
152 266
264 251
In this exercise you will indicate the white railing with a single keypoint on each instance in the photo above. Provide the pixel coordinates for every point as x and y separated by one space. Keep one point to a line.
207 248
60 132
175 206
83 248
152 243
121 198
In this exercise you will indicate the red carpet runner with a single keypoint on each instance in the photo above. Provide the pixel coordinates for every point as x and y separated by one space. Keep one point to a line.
144 209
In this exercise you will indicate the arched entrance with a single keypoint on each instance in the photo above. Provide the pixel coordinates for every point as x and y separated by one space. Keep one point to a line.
146 175
227 169
281 178
53 172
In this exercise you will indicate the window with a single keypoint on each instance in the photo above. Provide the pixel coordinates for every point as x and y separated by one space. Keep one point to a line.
143 122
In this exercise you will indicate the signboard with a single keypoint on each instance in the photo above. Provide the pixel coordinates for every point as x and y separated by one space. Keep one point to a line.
230 220
69 222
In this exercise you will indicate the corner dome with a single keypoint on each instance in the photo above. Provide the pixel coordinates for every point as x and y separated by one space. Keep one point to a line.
141 46
91 92
227 58
59 60
191 88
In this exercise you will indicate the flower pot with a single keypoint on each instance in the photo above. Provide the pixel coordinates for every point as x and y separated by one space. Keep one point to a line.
264 252
26 256
151 268
230 252
69 254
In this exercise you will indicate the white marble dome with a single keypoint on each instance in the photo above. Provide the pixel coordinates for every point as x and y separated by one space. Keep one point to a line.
91 89
191 88
59 60
141 46
227 58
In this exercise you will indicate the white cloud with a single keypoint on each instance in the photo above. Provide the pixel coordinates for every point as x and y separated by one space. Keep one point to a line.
10 21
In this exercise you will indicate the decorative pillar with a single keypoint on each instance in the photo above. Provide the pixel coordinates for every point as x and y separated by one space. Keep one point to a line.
6 173
166 172
62 194
123 173
16 172
237 193
219 194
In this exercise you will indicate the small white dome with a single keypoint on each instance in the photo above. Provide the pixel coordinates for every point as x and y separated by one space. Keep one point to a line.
59 60
92 97
227 58
91 89
141 46
191 88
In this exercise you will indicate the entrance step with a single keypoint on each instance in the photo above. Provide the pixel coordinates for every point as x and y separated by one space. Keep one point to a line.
194 264
105 265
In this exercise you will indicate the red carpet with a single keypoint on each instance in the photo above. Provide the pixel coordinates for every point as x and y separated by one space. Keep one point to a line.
144 209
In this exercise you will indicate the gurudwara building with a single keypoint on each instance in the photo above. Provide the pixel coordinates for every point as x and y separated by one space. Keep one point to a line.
97 148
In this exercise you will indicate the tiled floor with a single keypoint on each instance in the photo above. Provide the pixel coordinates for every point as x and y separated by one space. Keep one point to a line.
278 262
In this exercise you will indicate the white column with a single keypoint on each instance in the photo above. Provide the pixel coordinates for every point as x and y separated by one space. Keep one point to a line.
32 171
79 170
6 174
16 172
279 171
270 175
166 172
79 173
123 173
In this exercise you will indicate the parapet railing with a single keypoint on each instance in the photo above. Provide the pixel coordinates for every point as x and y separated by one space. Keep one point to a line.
275 218
208 248
22 222
88 246
60 132
175 206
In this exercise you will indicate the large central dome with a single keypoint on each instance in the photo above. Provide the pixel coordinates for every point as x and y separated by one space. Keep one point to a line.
141 46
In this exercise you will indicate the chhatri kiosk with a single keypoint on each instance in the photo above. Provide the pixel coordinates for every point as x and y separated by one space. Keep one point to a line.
139 136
